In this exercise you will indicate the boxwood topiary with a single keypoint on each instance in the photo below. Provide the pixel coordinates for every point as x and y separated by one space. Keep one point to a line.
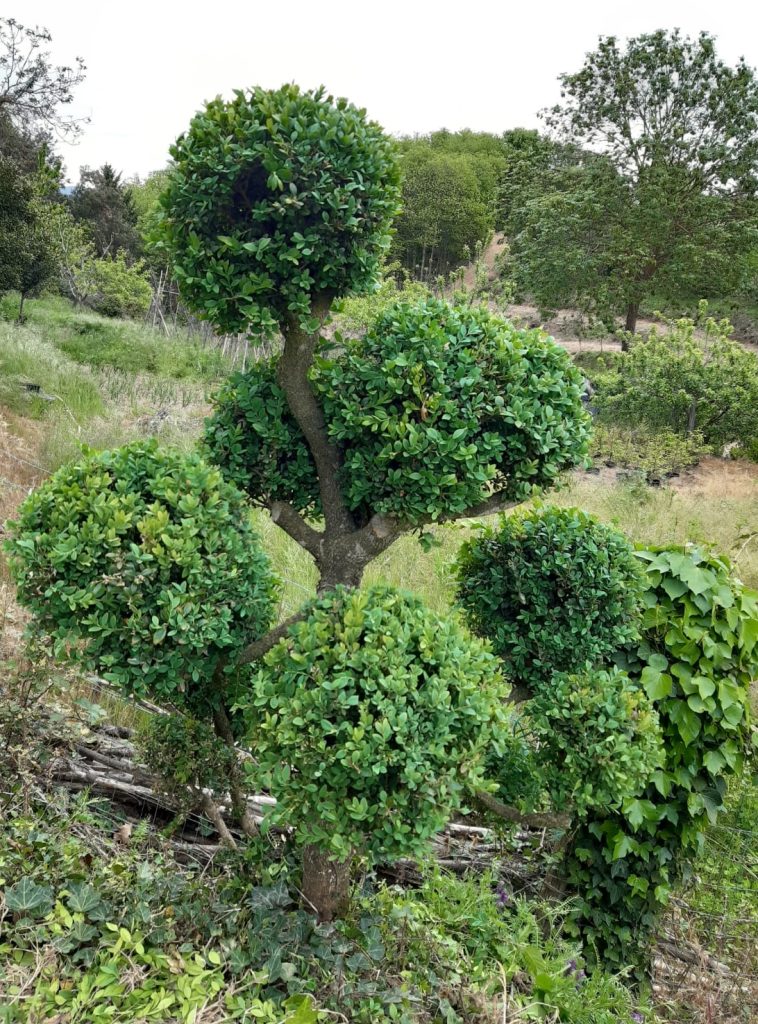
142 565
435 407
370 723
596 739
273 198
553 589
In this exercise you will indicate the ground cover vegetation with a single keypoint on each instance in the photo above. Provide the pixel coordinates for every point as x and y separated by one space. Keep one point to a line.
284 587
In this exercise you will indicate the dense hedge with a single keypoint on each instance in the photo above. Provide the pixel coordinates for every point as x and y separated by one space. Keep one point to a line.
142 565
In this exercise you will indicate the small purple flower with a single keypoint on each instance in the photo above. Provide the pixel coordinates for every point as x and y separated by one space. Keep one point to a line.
637 1017
570 967
503 898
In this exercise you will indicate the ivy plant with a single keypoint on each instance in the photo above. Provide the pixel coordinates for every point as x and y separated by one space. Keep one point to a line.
696 658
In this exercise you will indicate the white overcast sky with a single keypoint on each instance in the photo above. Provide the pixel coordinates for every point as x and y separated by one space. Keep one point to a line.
416 65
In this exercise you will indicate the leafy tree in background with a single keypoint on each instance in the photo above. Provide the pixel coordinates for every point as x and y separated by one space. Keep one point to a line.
32 88
450 188
26 256
663 200
692 378
104 203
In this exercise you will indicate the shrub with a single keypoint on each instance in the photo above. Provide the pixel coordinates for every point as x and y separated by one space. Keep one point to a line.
273 198
553 589
432 408
119 288
596 740
370 722
685 381
656 453
696 658
142 565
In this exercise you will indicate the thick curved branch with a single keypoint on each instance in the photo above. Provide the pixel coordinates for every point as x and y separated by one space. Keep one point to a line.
515 816
290 520
292 375
497 502
258 648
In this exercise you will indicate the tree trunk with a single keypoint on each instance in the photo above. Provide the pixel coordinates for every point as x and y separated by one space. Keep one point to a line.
632 312
692 416
21 308
326 883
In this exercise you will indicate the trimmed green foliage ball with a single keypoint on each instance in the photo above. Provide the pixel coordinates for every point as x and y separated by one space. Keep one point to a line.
553 589
254 438
432 409
274 197
438 404
596 738
142 565
371 720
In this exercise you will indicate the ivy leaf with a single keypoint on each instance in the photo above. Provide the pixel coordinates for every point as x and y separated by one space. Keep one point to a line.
28 898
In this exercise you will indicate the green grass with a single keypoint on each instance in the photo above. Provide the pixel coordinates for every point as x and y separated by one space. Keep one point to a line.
98 341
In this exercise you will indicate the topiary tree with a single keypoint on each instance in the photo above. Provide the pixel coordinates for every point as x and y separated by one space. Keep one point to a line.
596 740
371 723
142 565
278 203
553 589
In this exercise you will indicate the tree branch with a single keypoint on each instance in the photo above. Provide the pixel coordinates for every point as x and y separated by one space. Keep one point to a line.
258 648
290 520
292 375
512 814
497 502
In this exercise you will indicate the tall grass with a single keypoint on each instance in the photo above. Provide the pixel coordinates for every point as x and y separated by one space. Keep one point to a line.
97 341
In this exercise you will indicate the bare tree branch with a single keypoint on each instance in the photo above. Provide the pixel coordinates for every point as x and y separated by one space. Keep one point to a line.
512 814
258 648
292 375
290 520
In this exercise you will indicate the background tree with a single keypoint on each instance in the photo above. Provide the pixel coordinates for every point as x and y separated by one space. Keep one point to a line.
26 257
449 203
691 378
670 208
104 203
32 88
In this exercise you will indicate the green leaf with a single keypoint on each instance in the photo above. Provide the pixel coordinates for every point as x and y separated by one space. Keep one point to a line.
28 898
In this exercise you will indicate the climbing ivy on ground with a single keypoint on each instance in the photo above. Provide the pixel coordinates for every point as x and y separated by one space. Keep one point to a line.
696 659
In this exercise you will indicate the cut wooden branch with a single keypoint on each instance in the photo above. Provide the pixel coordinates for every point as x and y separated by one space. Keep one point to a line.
213 814
514 815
